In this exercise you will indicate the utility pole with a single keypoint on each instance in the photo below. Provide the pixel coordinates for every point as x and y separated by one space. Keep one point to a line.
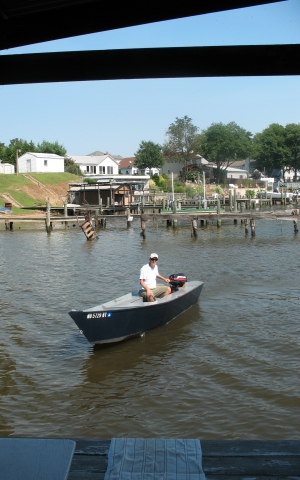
17 161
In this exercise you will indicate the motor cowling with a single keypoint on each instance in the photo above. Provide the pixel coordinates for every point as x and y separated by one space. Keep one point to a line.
178 279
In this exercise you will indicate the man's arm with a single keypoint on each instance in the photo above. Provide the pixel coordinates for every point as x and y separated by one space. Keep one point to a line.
167 280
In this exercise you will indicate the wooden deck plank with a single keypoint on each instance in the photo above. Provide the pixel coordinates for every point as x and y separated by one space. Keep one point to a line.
222 460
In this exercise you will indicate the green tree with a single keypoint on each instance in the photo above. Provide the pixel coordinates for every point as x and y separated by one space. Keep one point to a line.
223 145
2 150
10 152
149 155
71 167
51 147
292 143
180 143
269 149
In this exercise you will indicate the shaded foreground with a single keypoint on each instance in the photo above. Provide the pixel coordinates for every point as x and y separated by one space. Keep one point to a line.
236 460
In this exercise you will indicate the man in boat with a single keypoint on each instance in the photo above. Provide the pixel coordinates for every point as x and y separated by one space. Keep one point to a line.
147 285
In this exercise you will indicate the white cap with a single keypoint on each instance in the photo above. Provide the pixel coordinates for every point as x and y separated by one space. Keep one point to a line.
153 255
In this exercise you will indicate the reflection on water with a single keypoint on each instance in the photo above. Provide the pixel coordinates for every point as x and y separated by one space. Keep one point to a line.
227 368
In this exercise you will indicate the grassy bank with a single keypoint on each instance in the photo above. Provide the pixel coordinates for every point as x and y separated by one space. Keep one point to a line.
25 191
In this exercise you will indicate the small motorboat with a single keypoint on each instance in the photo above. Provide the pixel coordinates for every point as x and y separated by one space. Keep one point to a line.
5 210
129 316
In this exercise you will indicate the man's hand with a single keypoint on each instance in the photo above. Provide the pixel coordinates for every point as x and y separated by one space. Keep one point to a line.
150 297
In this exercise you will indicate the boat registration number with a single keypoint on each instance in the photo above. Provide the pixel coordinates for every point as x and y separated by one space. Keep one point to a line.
98 315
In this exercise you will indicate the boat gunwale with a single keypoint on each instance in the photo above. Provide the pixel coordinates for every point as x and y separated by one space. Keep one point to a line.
138 303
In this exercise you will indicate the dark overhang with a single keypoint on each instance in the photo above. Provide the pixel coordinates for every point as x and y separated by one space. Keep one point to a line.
143 63
25 22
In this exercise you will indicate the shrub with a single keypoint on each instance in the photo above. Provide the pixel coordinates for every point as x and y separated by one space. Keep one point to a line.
250 193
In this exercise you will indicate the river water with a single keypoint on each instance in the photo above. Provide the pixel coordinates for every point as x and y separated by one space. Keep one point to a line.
226 369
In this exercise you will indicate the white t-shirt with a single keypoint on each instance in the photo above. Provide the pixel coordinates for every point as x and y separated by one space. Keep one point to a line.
149 275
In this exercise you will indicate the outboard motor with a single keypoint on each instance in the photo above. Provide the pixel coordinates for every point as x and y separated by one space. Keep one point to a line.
177 280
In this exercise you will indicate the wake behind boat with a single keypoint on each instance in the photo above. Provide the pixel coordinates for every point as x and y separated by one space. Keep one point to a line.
128 316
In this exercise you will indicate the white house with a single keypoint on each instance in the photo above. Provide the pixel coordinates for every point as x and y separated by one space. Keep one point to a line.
236 173
96 165
7 168
41 163
126 167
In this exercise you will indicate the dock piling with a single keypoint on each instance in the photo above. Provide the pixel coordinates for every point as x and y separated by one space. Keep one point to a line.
194 228
48 223
143 227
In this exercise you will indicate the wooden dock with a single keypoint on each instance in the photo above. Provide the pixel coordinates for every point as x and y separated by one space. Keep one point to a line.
222 460
205 216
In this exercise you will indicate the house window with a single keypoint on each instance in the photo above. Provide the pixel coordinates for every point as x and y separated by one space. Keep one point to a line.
94 168
87 168
45 163
102 170
110 170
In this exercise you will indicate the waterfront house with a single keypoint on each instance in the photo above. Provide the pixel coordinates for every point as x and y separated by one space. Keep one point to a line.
127 167
91 165
40 163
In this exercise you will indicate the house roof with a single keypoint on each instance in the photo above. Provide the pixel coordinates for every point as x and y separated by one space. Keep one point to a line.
49 156
127 162
97 153
91 160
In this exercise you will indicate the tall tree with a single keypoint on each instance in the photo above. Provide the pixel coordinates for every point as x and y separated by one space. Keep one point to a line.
180 143
223 145
149 155
51 147
10 152
292 143
269 149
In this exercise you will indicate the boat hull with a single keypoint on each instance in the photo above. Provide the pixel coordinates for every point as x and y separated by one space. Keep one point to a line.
109 324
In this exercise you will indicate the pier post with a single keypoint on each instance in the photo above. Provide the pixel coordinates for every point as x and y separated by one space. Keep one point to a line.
230 200
194 228
252 226
235 201
129 218
295 226
246 226
96 217
143 227
48 224
100 206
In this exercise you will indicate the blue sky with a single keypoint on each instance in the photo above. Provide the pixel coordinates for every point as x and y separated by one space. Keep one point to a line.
115 116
